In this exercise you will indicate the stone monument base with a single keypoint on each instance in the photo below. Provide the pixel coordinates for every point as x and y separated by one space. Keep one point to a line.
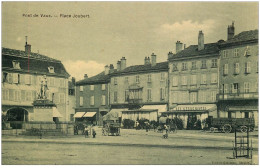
43 110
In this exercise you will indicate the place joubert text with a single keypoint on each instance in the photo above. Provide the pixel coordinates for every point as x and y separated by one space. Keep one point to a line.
57 16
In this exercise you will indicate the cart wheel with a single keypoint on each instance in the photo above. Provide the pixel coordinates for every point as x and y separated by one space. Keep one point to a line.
243 128
212 129
227 128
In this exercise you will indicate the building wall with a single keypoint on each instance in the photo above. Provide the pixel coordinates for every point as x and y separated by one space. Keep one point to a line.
204 92
241 77
124 81
23 92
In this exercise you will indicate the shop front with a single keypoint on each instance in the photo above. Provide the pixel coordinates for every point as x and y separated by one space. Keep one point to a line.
192 116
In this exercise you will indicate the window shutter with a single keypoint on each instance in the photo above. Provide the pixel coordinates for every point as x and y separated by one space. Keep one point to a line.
23 96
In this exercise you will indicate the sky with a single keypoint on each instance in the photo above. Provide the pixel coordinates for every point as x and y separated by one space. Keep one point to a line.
112 30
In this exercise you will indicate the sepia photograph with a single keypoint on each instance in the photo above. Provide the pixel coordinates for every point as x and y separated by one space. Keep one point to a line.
129 83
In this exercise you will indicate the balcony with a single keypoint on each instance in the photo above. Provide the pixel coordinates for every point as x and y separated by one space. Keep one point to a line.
135 101
237 96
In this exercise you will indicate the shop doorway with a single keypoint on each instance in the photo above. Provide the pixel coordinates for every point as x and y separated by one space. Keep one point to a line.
191 122
17 116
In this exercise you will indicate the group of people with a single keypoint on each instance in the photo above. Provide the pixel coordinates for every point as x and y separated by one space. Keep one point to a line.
87 131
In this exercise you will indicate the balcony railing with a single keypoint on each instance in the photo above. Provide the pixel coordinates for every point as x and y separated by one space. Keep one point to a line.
135 101
237 96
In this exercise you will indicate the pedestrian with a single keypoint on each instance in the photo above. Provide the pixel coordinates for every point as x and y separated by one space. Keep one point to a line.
94 133
86 131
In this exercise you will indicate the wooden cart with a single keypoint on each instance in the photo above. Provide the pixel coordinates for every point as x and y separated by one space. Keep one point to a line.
228 125
111 129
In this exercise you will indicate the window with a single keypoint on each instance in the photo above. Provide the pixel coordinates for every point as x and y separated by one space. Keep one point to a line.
203 64
52 81
149 94
162 94
236 68
81 88
17 95
214 78
4 77
16 65
174 67
193 79
28 79
247 51
103 100
162 76
62 98
224 53
15 78
214 63
126 79
202 96
71 117
184 80
103 86
137 79
246 87
28 95
184 66
126 95
149 80
193 65
203 79
92 100
213 96
225 69
80 101
115 81
11 94
236 53
62 82
5 94
234 88
225 88
115 97
10 78
193 97
51 69
247 67
175 81
91 87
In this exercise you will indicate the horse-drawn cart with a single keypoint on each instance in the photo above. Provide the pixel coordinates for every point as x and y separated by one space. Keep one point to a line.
111 129
228 125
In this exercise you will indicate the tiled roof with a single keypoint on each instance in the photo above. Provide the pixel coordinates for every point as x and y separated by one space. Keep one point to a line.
162 66
37 64
243 36
99 78
210 48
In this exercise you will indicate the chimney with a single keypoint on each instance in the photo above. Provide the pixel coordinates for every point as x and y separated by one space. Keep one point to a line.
153 59
27 47
118 65
106 69
230 31
178 46
148 60
111 68
123 63
73 81
170 54
85 76
201 41
184 46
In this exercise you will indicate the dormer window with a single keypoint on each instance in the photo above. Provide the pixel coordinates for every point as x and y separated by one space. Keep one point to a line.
16 65
51 69
247 51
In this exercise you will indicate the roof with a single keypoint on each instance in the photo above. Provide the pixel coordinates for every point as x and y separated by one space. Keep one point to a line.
162 66
209 49
99 78
245 36
37 63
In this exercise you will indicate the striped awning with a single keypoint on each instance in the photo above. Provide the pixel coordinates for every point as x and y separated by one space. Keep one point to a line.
89 114
79 114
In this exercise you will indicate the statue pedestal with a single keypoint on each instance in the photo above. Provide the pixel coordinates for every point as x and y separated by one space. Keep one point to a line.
43 110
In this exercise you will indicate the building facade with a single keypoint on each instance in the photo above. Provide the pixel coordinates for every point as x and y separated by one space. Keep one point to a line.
193 82
22 74
92 97
238 94
140 91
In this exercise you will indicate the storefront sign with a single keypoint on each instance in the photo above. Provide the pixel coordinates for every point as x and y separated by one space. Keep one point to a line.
192 108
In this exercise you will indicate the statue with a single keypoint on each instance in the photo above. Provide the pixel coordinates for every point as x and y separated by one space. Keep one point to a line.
43 89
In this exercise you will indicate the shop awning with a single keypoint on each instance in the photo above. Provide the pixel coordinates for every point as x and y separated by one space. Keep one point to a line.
116 112
194 108
160 108
79 114
56 112
89 114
